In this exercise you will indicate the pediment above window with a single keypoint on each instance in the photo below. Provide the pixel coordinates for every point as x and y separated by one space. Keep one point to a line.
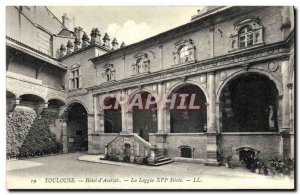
74 66
109 72
141 64
248 32
184 51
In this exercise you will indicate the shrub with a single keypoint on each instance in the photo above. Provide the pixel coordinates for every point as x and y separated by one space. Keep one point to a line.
281 166
29 135
18 124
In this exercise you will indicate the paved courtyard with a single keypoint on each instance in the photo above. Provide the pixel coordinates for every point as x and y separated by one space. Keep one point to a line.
65 171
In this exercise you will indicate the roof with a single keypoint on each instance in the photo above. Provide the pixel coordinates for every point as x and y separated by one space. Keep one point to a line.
10 42
174 30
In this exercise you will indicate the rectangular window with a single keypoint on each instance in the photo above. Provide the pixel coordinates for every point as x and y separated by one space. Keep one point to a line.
75 79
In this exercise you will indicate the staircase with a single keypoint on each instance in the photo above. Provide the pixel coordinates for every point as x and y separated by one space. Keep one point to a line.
160 159
131 148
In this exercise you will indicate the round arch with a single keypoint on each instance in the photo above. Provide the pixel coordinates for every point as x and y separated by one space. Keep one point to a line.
137 91
188 119
69 104
181 84
144 120
77 127
112 115
252 70
35 97
249 102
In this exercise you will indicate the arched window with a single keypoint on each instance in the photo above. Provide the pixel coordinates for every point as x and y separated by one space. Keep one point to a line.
109 73
248 31
184 54
245 36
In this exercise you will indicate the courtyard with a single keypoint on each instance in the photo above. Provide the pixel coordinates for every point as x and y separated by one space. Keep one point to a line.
65 171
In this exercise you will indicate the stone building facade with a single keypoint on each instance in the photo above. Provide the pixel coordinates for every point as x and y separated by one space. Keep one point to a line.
239 61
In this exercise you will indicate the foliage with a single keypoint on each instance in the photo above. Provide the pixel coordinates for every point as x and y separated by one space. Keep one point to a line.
29 135
18 124
281 166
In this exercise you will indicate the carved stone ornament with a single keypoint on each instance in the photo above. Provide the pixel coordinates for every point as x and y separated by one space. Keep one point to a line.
203 78
184 48
273 65
222 76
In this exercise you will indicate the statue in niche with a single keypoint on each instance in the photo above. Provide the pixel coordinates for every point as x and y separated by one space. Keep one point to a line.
271 117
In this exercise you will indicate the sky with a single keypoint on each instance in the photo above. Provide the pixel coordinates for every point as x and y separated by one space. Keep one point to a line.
128 24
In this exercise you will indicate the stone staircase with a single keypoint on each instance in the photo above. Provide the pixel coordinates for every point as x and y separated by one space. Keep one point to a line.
130 147
160 159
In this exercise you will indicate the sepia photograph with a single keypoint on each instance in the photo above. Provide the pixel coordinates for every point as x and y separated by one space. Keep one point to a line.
150 97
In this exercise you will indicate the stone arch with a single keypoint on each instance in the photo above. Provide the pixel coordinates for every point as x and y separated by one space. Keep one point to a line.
75 131
244 107
181 84
252 70
33 94
12 92
188 120
76 101
136 91
144 120
112 115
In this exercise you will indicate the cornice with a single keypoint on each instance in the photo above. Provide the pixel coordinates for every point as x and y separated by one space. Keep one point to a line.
234 59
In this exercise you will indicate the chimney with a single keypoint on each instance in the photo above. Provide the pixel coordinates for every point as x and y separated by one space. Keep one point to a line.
66 21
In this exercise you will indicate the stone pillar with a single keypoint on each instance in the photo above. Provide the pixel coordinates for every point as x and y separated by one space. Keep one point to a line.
211 34
211 135
168 120
286 21
123 111
285 99
285 145
97 114
160 111
64 136
129 120
211 118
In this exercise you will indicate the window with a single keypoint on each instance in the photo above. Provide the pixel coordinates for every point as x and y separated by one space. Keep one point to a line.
186 152
248 31
75 77
184 54
245 37
185 51
141 65
109 73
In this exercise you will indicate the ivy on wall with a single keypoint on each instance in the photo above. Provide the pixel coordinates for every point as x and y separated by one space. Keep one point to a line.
29 135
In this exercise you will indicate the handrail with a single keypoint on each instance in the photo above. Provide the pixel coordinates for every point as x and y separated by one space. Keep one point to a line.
134 135
143 141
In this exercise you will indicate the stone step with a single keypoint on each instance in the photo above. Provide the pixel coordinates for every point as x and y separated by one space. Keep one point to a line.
163 159
161 163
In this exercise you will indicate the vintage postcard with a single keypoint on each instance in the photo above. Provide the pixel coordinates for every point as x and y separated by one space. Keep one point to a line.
150 97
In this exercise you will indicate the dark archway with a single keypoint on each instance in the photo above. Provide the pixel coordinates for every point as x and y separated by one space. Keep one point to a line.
189 120
77 128
112 116
10 101
145 117
249 103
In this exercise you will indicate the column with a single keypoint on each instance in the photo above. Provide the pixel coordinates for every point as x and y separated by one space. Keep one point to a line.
129 120
211 135
212 40
96 114
285 145
160 111
64 135
123 111
285 98
211 118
